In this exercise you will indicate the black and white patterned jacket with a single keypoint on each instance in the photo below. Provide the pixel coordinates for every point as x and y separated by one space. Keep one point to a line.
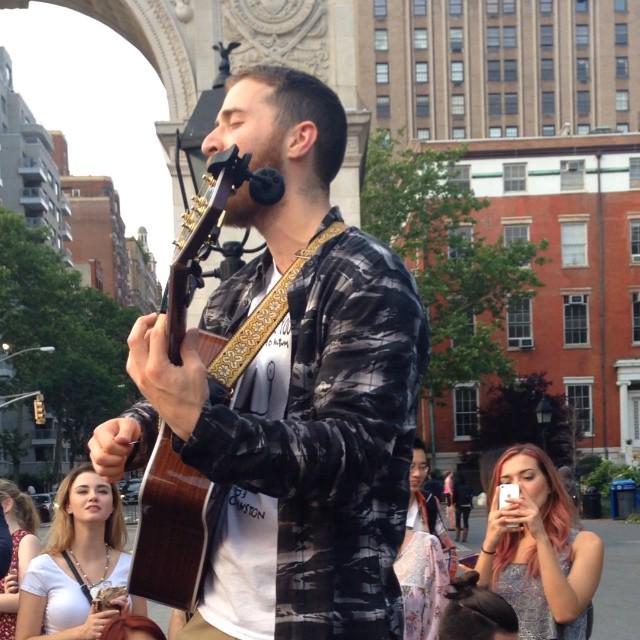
338 462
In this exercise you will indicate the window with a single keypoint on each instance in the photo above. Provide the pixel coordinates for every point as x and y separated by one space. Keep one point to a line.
548 130
546 35
571 175
460 176
423 134
634 173
508 6
455 8
509 39
622 36
622 67
383 107
495 132
381 40
583 129
380 8
493 7
634 233
423 108
519 326
511 132
457 105
456 39
622 101
622 127
458 133
548 103
546 7
420 39
465 411
493 70
584 102
514 179
493 37
582 35
546 69
382 73
459 238
582 69
515 233
510 70
582 6
511 103
635 310
457 72
620 6
574 244
419 7
422 72
495 104
579 399
576 319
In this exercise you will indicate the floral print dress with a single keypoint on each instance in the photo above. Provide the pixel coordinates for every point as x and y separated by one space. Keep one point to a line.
8 620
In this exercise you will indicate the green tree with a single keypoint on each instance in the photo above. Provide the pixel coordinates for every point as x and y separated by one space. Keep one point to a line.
43 303
411 200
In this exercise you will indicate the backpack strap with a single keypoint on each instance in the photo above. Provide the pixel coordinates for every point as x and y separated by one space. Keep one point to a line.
81 582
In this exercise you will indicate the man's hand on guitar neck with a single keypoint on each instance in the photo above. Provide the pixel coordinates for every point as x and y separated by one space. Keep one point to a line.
176 393
111 445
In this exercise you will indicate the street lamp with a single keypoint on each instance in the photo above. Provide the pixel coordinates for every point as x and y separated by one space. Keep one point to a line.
544 414
17 353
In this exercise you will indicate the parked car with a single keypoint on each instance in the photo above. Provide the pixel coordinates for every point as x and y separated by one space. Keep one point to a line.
129 490
45 505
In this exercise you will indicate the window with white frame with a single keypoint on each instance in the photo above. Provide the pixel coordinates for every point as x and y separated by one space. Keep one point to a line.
621 34
419 7
495 132
510 70
511 132
509 37
582 6
455 8
381 40
580 400
460 176
457 105
493 37
508 6
546 36
622 127
635 320
622 67
457 71
634 173
422 72
620 6
382 73
547 69
634 234
383 107
458 133
423 134
574 244
571 175
514 176
465 411
511 104
583 69
519 324
582 35
548 103
493 7
583 129
576 319
515 233
456 39
493 71
583 103
420 39
423 108
622 100
459 239
380 8
546 7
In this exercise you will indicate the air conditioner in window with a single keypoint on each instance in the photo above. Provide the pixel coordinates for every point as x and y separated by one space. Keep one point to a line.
635 258
521 343
577 299
572 165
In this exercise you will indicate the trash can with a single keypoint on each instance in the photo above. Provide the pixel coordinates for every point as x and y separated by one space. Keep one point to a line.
591 505
623 496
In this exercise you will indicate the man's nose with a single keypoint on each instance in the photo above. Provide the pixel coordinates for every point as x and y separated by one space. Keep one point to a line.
211 144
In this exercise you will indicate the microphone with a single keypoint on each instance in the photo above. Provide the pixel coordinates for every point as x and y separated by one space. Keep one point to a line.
266 186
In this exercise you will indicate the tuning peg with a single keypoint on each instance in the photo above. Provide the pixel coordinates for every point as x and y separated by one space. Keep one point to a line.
209 179
179 244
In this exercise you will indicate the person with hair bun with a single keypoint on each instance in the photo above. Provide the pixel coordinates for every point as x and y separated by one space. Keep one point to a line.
130 627
534 553
475 613
22 520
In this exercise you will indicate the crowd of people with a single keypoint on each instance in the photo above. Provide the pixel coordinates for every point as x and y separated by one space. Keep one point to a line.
317 435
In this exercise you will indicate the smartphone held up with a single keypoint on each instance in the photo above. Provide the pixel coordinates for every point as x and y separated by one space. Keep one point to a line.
508 492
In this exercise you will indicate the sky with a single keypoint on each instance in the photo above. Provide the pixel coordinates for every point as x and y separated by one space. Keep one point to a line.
85 80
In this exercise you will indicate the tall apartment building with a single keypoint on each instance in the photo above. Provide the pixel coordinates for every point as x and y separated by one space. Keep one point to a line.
29 177
454 69
143 283
582 195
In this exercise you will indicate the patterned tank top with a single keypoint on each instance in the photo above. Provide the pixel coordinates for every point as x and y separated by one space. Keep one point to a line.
8 620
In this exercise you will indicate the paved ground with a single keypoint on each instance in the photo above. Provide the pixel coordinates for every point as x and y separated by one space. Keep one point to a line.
617 602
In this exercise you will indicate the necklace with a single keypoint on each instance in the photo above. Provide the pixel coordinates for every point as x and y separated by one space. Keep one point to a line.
92 585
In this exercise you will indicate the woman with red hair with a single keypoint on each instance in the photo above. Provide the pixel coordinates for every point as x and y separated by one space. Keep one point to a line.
534 554
130 627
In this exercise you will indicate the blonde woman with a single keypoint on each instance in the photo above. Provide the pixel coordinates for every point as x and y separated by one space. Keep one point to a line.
84 554
22 519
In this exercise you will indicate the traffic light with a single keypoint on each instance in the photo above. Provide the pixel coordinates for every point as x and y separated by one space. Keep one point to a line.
38 410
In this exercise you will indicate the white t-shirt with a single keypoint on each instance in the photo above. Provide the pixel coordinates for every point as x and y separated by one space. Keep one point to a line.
240 589
67 606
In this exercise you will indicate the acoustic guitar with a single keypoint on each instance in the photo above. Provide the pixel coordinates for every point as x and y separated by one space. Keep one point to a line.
176 520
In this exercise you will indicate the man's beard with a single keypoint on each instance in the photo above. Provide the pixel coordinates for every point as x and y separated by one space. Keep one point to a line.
242 210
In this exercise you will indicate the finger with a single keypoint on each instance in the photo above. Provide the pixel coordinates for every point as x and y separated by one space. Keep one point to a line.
495 501
129 430
158 346
139 345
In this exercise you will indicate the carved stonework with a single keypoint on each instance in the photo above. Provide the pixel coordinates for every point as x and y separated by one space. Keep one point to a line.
183 10
286 32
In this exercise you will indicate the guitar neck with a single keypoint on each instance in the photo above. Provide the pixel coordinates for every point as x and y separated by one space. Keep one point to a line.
177 312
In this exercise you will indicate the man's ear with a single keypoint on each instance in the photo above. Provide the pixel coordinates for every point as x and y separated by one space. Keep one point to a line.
301 139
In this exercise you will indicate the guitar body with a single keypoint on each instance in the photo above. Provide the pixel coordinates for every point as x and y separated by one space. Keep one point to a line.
176 527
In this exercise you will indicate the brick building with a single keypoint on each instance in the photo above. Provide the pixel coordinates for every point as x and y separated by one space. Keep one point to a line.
581 194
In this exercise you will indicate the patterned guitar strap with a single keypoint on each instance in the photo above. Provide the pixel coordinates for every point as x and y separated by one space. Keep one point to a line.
242 348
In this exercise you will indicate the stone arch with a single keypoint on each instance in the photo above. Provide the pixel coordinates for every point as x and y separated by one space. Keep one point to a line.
150 27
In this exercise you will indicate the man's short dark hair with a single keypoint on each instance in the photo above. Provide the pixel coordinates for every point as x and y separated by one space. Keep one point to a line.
300 96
